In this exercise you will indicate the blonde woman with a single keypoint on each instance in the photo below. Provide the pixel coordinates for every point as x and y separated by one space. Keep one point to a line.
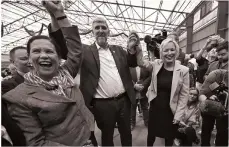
168 91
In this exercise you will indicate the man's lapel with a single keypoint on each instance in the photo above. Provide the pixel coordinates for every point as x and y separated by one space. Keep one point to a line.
95 53
134 74
116 57
142 73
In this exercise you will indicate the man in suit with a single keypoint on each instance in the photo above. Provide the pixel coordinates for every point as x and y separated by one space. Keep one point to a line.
106 83
19 58
107 86
141 79
11 133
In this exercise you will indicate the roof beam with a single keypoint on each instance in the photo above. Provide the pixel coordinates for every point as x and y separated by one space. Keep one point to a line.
171 12
21 18
174 20
19 40
160 5
106 15
137 6
112 11
123 16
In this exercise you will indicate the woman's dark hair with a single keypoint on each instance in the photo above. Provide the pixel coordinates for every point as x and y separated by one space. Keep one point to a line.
43 37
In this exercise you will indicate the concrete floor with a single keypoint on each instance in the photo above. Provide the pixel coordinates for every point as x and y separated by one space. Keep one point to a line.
139 135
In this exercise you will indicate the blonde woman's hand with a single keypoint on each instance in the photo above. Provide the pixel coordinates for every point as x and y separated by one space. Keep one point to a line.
138 87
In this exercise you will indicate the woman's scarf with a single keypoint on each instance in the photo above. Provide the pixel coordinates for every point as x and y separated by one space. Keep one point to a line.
57 85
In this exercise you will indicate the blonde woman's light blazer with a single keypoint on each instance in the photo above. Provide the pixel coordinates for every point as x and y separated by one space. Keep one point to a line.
179 90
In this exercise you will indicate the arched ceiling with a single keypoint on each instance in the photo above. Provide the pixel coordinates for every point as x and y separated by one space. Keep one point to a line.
144 16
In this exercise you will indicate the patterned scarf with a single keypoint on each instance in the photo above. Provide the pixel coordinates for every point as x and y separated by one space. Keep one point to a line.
56 85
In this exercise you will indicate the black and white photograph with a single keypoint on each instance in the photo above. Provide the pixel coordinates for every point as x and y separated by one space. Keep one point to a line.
95 73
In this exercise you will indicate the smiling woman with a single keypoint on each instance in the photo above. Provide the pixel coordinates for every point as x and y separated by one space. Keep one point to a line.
49 101
44 56
49 107
167 92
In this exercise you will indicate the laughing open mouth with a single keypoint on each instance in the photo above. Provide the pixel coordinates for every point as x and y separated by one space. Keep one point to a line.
45 64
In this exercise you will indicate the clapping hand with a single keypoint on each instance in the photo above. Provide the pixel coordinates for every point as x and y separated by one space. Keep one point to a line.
138 87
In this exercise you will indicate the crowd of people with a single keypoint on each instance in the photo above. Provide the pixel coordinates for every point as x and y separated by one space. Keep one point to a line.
177 93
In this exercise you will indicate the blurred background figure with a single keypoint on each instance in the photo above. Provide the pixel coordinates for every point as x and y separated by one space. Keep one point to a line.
18 67
214 107
5 73
206 56
141 79
13 69
190 120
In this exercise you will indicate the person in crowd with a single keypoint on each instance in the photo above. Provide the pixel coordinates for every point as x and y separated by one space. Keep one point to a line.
10 131
219 76
209 50
12 134
192 60
19 60
186 133
222 63
181 57
141 79
5 73
191 74
48 106
106 83
13 69
167 92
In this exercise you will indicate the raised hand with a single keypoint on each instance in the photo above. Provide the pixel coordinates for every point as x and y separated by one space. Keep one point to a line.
207 45
132 41
54 7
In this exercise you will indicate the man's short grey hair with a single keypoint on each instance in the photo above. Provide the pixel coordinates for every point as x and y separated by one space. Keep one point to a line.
99 20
